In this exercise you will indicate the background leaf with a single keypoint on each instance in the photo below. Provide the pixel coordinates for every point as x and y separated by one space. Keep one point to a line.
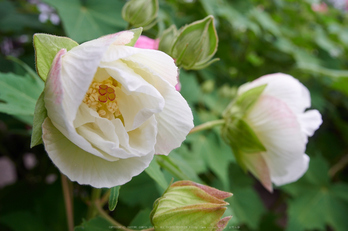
89 19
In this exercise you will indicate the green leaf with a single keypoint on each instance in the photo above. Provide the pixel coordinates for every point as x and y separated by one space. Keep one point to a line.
40 115
215 153
89 19
317 202
148 193
28 222
95 224
19 94
136 35
113 198
246 206
169 165
141 220
46 47
156 174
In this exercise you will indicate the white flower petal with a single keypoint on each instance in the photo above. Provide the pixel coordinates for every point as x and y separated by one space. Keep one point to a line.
291 172
285 88
257 165
111 137
54 102
157 63
174 122
69 78
277 127
310 121
86 168
138 100
152 61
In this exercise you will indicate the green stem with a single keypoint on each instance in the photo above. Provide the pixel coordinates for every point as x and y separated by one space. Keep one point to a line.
68 201
94 197
106 216
207 125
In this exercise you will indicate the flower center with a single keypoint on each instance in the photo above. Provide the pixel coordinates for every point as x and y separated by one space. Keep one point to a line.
101 97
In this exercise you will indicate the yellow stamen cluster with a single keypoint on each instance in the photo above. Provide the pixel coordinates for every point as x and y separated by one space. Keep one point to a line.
101 97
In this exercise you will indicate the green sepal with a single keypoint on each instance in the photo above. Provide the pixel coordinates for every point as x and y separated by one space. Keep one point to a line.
244 102
40 115
137 32
156 203
240 136
46 47
167 39
113 198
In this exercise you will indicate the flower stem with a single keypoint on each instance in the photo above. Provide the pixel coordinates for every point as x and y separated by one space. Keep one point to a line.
207 125
105 198
109 218
68 201
338 166
94 197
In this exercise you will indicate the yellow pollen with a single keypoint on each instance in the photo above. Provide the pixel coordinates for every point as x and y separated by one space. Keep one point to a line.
102 91
101 97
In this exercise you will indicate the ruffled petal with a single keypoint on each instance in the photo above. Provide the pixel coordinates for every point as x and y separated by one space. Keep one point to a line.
155 62
110 136
277 127
174 122
294 170
284 87
54 98
85 168
137 99
310 121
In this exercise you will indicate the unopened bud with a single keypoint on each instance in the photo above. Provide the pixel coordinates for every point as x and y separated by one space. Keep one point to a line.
167 39
191 206
196 44
140 13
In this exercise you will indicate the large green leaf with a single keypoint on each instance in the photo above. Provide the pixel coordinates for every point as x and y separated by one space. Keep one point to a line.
19 94
317 202
215 153
95 224
89 19
245 205
156 174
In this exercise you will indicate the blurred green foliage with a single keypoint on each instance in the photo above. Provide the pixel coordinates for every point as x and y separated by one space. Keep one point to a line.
255 38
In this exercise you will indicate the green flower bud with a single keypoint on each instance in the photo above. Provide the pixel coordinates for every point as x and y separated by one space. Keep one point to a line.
196 45
140 13
190 206
167 39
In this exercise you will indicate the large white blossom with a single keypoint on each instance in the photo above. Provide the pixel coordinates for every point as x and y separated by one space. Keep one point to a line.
110 108
282 124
